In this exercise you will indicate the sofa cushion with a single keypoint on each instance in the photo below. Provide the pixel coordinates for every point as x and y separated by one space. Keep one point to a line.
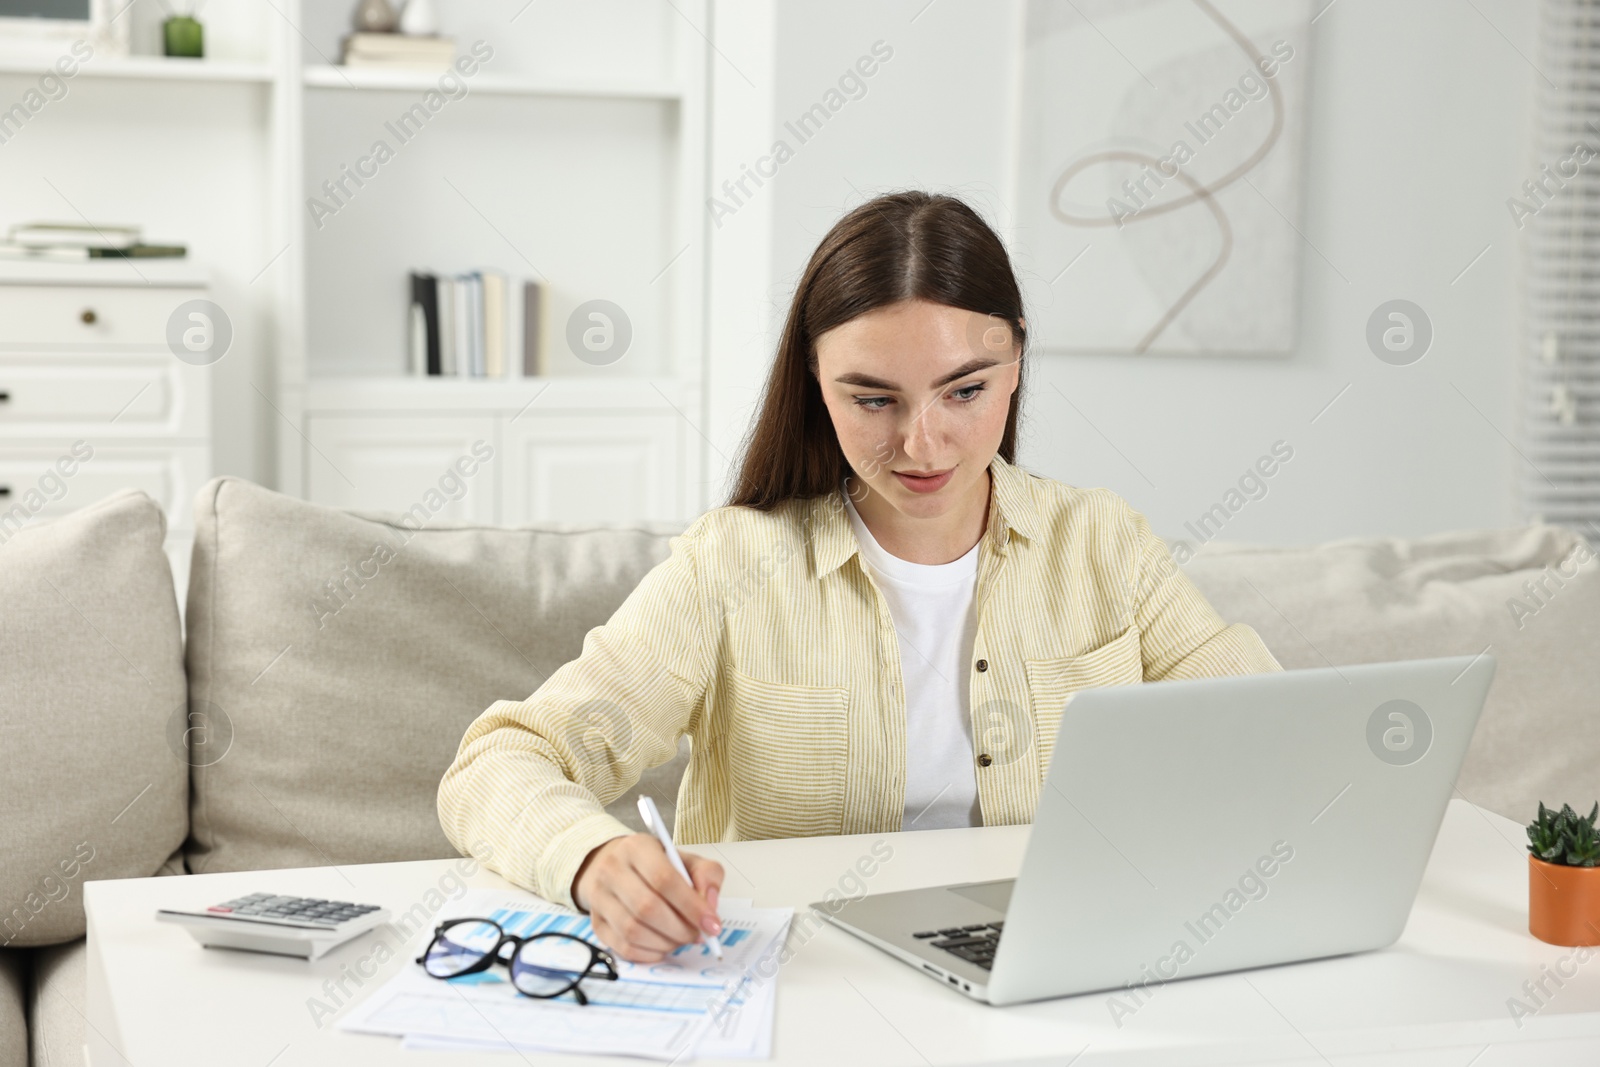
58 1003
14 968
91 690
1529 596
341 657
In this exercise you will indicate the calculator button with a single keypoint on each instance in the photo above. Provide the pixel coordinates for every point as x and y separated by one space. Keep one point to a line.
220 908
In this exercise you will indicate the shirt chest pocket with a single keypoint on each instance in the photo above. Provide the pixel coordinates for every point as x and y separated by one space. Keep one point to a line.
1051 682
787 751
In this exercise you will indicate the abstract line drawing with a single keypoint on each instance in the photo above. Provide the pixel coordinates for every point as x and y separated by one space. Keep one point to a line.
1161 144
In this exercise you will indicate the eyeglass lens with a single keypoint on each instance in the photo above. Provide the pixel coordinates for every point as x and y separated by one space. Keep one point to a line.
550 964
459 946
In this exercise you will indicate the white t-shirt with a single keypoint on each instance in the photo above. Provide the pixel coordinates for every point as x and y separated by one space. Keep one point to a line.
936 622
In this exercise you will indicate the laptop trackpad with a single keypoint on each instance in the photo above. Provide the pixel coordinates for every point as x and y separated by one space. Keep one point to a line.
996 895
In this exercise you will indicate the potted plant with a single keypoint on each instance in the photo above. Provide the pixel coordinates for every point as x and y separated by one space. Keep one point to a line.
1564 877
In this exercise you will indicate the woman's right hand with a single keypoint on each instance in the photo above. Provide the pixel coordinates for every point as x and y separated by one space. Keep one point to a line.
639 904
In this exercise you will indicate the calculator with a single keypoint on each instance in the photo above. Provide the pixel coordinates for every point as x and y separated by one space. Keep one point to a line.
282 925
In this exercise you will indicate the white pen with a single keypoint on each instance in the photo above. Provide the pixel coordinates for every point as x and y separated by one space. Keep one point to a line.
652 819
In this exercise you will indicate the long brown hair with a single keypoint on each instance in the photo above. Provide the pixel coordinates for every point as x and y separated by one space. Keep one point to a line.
910 245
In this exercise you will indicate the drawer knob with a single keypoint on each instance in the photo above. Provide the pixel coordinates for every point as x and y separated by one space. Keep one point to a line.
4 396
89 317
5 490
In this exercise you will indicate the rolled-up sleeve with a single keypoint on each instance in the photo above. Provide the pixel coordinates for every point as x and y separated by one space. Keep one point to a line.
527 790
1181 634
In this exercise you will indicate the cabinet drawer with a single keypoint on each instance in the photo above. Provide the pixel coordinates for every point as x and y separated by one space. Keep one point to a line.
33 487
73 395
84 315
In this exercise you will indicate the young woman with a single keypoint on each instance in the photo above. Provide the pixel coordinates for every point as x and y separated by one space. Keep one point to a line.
879 631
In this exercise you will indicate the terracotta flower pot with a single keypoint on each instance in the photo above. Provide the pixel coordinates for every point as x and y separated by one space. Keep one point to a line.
1563 903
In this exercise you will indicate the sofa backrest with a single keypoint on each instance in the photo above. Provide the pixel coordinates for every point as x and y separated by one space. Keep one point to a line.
334 661
1529 596
92 713
340 658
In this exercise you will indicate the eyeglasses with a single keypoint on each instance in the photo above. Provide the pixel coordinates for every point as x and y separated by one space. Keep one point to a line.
545 965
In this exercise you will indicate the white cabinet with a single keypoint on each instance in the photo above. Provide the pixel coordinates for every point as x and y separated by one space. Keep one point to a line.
396 462
89 386
562 451
599 468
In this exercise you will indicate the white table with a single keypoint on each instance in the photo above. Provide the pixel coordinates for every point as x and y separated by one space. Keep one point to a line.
1439 996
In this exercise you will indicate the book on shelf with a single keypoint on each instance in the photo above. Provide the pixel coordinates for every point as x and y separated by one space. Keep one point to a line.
475 319
474 325
534 326
398 51
494 324
447 325
417 337
424 323
73 235
67 241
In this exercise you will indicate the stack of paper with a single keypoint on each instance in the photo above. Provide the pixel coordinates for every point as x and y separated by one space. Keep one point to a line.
690 1004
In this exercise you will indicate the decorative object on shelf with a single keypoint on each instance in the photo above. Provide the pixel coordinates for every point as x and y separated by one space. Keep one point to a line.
80 241
47 30
396 51
419 19
182 36
1564 877
375 16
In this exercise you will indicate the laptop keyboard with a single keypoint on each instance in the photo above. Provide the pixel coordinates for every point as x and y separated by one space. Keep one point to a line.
975 943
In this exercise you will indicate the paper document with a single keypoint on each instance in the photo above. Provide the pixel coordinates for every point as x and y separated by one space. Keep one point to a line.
689 1004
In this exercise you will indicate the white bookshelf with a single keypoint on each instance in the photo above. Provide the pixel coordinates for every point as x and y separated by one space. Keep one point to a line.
579 156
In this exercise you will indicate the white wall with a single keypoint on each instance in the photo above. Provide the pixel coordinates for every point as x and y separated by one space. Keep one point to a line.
1418 132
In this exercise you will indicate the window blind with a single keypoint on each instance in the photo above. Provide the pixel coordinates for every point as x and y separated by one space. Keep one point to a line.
1557 211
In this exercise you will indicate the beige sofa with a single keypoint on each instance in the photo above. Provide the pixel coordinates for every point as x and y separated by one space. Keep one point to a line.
334 660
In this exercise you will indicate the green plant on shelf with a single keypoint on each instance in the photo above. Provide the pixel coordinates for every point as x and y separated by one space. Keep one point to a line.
1564 837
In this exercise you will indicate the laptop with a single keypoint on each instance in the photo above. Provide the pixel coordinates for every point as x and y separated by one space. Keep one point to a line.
1193 827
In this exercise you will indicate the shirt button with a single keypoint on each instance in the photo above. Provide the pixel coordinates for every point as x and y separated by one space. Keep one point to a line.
985 759
983 665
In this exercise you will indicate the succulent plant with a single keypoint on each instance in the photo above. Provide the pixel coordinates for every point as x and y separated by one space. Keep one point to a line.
1564 837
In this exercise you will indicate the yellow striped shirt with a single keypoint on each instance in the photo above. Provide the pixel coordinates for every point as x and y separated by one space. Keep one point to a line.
764 640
